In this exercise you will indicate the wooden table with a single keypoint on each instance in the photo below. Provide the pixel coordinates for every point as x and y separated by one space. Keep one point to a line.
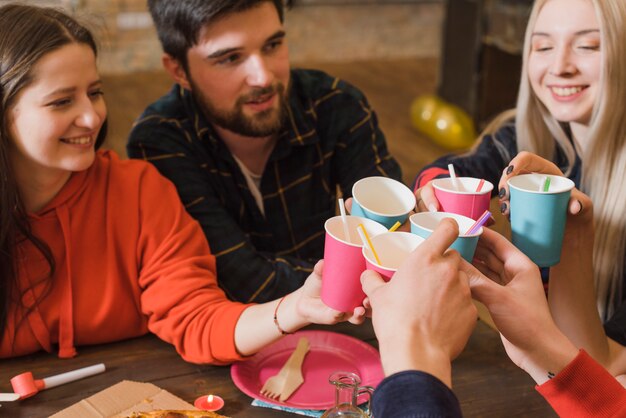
485 381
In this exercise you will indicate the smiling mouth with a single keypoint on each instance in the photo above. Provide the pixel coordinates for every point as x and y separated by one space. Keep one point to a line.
261 99
81 140
566 91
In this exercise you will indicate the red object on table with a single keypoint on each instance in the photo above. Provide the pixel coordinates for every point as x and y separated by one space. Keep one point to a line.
209 403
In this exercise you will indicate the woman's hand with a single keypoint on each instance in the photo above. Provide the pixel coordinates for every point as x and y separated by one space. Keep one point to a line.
424 315
311 308
509 284
524 163
426 200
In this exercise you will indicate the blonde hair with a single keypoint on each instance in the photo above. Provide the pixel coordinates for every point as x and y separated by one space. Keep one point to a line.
604 156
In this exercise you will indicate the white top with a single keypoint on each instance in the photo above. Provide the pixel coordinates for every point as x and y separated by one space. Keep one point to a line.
254 184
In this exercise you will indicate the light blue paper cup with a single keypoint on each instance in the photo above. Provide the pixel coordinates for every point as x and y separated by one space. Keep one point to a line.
424 223
538 217
382 199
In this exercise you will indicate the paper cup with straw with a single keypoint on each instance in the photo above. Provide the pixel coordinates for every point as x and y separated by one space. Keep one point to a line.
424 223
391 249
453 179
469 196
538 213
344 221
344 262
382 199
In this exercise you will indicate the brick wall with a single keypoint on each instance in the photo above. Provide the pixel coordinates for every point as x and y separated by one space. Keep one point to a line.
322 32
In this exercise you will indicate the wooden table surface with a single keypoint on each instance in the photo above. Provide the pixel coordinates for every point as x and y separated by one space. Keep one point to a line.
484 379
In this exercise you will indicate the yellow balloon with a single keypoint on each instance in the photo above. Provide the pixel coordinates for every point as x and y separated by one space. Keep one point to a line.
444 123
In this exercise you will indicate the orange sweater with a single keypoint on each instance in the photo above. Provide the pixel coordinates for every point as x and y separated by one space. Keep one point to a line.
129 259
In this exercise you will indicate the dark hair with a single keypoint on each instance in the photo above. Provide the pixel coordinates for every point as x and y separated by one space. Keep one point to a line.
27 33
179 22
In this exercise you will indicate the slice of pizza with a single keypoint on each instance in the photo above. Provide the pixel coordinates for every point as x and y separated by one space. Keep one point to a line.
176 414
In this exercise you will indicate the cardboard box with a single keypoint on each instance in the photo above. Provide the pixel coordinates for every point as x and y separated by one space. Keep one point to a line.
122 399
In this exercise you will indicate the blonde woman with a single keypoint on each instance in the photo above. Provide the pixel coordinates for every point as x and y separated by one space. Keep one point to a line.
569 120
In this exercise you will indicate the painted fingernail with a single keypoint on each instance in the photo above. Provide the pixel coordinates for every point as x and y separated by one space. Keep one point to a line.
432 208
509 169
502 192
503 208
580 207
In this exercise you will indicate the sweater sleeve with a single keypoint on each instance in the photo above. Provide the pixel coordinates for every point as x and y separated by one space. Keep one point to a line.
180 295
486 160
585 389
414 394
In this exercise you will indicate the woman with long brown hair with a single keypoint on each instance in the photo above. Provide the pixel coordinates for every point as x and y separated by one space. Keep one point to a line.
94 249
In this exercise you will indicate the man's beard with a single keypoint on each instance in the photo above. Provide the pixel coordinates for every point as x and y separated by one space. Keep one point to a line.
262 124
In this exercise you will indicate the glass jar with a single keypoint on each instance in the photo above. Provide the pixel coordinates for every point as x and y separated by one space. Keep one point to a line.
347 391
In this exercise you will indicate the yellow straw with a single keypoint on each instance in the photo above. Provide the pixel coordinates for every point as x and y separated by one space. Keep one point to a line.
369 243
395 226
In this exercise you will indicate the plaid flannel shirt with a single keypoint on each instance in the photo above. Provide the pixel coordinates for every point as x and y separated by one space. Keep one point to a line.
330 140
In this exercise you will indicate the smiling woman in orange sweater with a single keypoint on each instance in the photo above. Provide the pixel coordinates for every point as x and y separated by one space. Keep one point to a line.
94 249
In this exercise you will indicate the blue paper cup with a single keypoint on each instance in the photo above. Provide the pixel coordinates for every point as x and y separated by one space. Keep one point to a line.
382 199
538 217
424 223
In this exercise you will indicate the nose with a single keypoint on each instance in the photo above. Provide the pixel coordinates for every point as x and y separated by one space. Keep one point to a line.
88 116
259 73
563 63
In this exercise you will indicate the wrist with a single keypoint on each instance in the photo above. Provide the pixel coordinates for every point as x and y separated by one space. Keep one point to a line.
399 355
548 360
287 318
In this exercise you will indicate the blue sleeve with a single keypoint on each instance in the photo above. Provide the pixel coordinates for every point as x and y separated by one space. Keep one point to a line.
486 160
414 394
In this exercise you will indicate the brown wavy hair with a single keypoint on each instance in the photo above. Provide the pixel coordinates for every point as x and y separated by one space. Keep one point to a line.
27 33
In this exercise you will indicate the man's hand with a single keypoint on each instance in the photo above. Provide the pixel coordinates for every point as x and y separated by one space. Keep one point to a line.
510 286
424 315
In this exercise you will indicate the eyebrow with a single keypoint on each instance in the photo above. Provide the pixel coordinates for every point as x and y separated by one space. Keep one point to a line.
579 33
225 51
68 90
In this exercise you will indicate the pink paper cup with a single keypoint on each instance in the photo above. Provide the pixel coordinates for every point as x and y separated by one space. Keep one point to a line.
463 200
392 249
344 262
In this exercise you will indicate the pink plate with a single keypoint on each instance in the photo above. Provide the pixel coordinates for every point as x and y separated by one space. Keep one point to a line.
329 352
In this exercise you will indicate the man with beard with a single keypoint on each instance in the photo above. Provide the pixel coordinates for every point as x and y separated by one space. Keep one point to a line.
256 150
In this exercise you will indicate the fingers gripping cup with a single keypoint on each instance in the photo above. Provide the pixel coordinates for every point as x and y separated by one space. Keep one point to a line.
392 248
466 196
344 262
382 199
424 223
538 215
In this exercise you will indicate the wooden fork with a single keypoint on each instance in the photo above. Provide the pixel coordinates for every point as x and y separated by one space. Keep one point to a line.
289 378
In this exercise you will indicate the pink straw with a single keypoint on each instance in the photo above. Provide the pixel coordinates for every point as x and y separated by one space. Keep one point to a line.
480 185
479 223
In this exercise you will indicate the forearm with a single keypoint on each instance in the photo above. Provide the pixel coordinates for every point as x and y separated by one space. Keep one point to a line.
548 357
572 300
402 354
256 327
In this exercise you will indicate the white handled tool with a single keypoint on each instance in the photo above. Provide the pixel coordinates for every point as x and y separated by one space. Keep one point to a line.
25 385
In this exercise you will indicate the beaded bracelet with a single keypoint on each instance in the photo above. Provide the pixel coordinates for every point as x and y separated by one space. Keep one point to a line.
282 331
